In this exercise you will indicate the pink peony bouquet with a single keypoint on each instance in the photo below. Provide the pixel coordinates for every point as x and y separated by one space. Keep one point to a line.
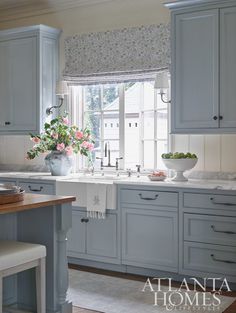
59 136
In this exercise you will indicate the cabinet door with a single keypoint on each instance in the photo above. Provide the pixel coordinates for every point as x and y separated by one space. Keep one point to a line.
228 68
150 239
102 236
195 75
23 80
76 235
4 83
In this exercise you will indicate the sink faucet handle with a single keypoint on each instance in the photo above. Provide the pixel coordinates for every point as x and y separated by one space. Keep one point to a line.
117 162
101 166
138 169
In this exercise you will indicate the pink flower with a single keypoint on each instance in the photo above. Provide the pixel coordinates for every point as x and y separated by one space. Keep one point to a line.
87 145
60 146
79 135
65 120
36 140
54 135
69 150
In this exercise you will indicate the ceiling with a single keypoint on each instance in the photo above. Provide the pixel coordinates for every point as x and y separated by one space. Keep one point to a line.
15 9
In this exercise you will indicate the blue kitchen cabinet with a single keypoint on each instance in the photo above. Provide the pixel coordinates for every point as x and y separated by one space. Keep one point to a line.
29 69
203 67
93 239
149 228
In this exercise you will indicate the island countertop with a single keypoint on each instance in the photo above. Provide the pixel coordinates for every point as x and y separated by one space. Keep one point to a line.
33 201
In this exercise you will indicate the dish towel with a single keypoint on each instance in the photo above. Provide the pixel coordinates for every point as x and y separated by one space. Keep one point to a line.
96 200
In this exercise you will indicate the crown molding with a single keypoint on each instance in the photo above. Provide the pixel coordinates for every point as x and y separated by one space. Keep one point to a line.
19 9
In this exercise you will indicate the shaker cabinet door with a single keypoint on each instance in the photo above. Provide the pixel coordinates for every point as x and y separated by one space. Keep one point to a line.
76 243
23 82
150 239
228 68
195 85
4 84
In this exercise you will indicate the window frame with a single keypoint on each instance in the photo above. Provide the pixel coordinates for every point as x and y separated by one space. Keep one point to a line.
77 109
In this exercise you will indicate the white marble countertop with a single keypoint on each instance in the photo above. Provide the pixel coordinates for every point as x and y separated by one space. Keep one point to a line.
123 180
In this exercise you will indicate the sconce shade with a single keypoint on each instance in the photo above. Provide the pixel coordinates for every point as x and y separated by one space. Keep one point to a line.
161 81
62 88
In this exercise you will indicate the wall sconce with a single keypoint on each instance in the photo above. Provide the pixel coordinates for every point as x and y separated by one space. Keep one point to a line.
162 82
61 91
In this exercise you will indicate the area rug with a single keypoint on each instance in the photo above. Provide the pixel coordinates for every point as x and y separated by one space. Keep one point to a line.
117 295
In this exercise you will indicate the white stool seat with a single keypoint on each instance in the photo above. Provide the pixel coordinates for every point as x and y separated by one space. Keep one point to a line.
14 253
16 257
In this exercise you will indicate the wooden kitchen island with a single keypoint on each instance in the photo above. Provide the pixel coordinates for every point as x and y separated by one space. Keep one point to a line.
44 220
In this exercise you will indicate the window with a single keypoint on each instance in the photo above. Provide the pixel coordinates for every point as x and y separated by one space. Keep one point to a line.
129 118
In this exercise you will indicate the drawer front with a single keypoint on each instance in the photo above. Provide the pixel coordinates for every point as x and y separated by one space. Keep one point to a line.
209 201
147 197
208 258
29 187
210 229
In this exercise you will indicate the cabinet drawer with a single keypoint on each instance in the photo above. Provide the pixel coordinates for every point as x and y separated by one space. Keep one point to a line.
30 187
152 197
210 229
208 258
209 201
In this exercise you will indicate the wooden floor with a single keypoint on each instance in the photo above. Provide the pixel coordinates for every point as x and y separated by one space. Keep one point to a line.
231 309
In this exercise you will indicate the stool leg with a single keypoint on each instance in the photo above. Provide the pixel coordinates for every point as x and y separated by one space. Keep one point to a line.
40 286
1 295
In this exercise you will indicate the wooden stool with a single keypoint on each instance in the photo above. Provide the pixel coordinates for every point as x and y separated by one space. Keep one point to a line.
18 256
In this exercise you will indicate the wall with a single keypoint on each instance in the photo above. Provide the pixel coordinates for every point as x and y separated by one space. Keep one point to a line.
216 152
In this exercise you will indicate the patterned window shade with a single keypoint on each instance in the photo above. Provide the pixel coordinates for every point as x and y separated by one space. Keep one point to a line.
119 55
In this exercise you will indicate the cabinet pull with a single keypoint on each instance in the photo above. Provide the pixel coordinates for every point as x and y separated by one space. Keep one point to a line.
35 190
84 220
220 260
144 198
215 118
7 123
222 231
221 117
222 203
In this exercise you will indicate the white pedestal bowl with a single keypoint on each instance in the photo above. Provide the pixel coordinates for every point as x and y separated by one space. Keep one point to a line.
180 166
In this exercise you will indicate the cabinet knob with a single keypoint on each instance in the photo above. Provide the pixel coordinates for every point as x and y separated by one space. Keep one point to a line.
7 123
215 118
221 117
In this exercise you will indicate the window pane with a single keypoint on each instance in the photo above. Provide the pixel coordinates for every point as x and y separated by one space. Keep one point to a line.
148 125
131 143
110 97
111 125
148 96
161 148
132 97
149 154
162 120
92 99
93 122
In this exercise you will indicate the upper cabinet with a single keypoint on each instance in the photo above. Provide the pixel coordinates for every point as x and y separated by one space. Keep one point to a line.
29 69
203 67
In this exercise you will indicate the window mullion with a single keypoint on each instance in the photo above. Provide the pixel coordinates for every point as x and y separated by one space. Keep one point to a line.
155 128
102 121
141 123
122 124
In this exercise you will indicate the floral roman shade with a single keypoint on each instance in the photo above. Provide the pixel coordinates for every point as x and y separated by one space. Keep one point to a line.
118 55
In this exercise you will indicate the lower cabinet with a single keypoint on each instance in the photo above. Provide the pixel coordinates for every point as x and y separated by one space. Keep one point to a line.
93 239
150 239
